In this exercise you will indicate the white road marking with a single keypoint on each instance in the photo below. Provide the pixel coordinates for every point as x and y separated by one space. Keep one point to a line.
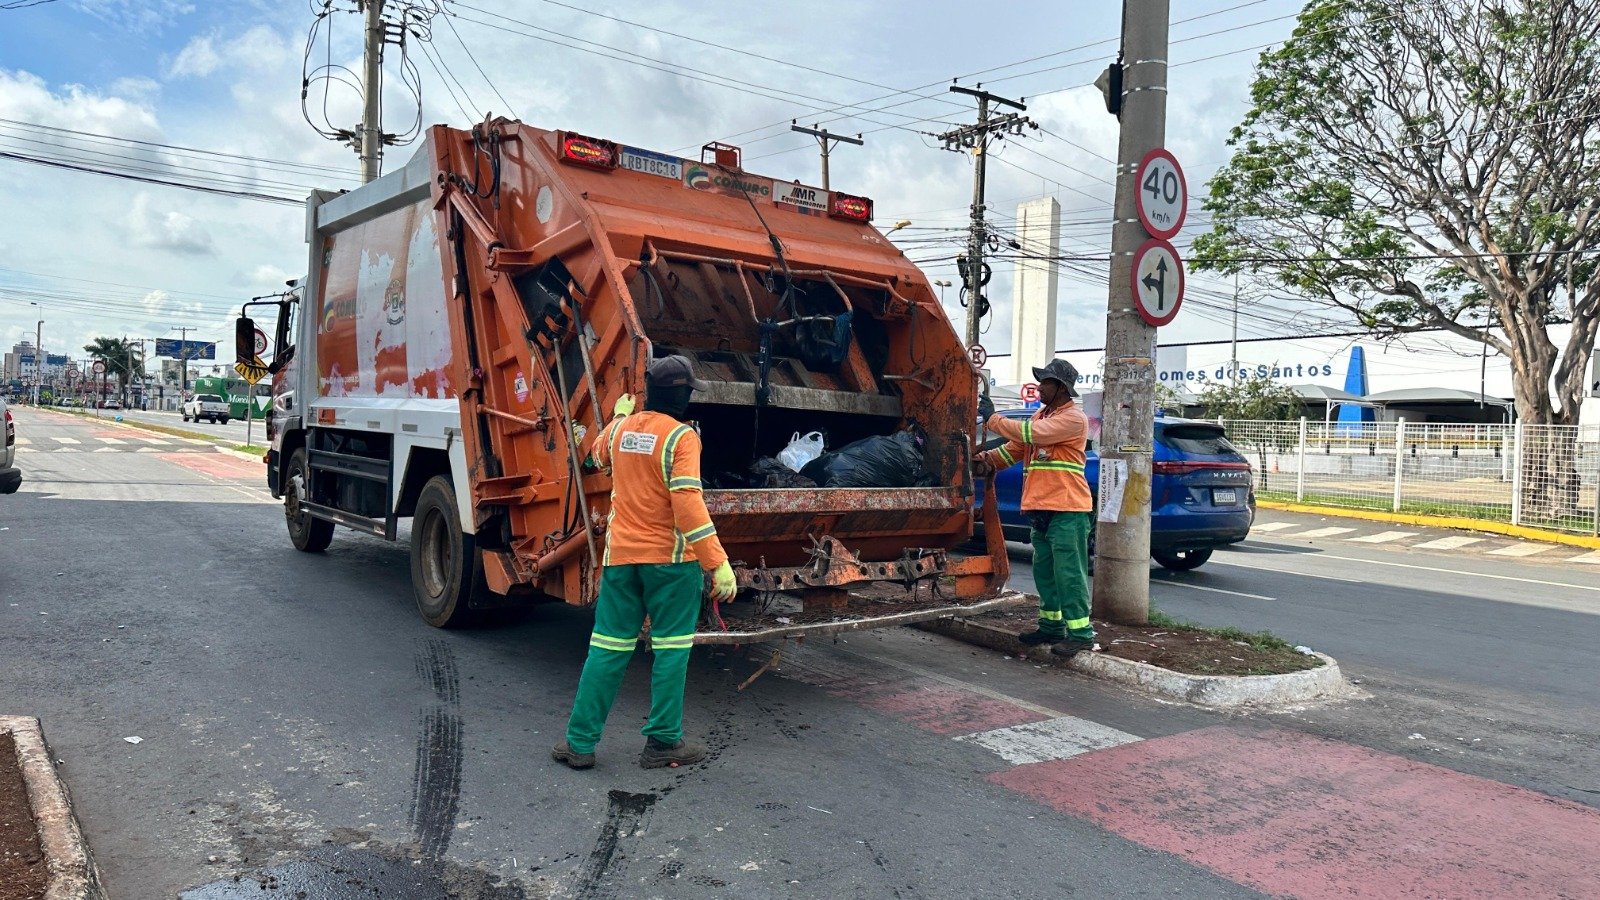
1283 572
1273 526
1454 542
1523 549
61 440
1323 532
147 450
105 450
1587 558
1565 584
22 442
1382 537
1058 738
107 440
150 440
1201 587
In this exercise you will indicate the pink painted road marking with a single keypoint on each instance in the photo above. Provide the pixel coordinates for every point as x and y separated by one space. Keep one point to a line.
1296 815
933 707
217 465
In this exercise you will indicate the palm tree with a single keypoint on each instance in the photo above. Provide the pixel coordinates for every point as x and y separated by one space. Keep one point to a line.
122 358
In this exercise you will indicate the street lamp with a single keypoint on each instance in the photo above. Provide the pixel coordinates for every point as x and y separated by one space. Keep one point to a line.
38 353
899 225
942 283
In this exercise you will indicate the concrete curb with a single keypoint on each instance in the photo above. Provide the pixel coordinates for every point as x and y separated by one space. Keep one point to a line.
72 872
1461 524
1326 682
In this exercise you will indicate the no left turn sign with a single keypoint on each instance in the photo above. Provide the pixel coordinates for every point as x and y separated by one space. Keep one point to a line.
1163 194
1157 281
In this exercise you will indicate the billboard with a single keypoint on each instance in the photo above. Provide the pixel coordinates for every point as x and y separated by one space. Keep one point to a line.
178 349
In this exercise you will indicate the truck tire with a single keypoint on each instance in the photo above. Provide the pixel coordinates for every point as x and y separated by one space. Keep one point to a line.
446 568
224 420
308 533
1182 560
185 416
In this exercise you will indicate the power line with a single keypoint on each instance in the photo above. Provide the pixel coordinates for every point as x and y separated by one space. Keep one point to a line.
487 80
94 137
168 182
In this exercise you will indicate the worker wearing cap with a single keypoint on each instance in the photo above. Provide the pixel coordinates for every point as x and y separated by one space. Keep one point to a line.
659 538
1056 499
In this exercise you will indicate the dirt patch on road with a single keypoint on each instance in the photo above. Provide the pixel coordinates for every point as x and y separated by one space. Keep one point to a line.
24 873
1178 646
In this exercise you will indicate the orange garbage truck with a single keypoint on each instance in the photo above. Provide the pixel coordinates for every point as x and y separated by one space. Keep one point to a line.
468 322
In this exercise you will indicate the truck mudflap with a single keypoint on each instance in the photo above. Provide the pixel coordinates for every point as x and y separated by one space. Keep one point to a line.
754 622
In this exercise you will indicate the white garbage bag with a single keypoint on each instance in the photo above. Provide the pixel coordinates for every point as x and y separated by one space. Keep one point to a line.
801 450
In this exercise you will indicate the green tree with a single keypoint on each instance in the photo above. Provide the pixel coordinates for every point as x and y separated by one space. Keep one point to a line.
1264 413
122 359
1429 166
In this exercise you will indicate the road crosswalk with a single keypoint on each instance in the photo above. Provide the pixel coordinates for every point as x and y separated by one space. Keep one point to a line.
107 444
1413 540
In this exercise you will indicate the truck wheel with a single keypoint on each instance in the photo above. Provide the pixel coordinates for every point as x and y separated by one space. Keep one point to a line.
1182 560
185 416
224 420
446 569
306 532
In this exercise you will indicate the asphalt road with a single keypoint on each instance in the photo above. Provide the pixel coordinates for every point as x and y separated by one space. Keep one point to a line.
301 730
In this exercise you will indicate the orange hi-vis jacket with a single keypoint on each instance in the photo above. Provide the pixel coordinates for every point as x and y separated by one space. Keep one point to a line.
658 512
1050 447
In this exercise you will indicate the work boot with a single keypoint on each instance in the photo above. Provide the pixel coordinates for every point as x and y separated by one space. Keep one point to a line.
657 753
564 754
1035 638
1071 647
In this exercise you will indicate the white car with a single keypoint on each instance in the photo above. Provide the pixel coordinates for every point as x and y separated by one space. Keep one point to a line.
10 475
205 406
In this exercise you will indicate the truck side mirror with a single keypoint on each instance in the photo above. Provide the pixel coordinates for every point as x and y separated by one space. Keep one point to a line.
244 339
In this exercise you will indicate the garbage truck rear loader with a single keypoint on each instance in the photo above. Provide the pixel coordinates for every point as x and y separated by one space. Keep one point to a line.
468 322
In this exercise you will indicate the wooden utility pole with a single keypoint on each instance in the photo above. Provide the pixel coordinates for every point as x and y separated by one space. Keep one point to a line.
825 139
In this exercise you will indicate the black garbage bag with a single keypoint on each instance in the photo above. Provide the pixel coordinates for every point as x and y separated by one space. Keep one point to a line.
894 460
769 473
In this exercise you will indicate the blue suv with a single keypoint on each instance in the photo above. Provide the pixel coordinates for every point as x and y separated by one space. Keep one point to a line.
1201 495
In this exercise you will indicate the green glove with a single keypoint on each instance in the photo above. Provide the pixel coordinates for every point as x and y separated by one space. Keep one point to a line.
625 406
723 585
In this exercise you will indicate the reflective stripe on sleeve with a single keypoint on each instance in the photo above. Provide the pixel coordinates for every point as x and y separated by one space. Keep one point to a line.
1006 455
684 483
1027 431
701 533
667 452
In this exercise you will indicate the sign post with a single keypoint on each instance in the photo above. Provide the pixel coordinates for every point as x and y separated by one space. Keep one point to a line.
252 372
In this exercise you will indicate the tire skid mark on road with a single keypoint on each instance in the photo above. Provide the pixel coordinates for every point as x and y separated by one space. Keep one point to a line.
436 780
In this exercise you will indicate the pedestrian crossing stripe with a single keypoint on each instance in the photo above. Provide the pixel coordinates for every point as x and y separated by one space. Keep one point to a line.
1521 550
1324 532
1454 542
1382 537
1273 526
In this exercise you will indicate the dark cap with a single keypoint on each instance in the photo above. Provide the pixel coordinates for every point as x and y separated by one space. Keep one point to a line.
1058 370
674 371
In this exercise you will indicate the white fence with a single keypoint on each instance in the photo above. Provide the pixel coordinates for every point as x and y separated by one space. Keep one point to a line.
1541 476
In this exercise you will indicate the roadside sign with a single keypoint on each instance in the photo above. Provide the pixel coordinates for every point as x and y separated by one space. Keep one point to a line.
1029 393
99 367
980 356
1157 281
1163 194
261 342
252 371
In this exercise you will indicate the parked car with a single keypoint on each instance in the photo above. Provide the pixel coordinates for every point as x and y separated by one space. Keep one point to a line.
206 406
1201 493
113 403
10 475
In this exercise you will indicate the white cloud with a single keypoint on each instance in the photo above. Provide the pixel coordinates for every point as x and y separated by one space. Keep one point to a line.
197 59
26 97
171 230
137 15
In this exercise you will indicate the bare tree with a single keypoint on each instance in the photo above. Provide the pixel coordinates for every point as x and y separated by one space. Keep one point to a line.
1432 164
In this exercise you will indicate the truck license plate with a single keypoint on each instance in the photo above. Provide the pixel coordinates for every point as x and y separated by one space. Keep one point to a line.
1224 497
652 163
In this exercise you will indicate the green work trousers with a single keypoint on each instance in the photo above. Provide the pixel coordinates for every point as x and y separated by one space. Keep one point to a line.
1061 570
669 593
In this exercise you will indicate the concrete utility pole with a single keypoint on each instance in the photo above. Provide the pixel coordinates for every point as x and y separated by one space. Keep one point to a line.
370 137
825 139
976 139
38 360
1122 562
183 357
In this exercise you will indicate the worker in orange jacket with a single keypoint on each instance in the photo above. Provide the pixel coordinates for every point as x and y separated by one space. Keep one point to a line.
1056 499
659 538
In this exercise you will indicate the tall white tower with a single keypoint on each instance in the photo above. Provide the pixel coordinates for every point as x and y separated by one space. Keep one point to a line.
1033 327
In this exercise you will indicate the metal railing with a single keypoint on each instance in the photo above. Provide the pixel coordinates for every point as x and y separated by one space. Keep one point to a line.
1540 476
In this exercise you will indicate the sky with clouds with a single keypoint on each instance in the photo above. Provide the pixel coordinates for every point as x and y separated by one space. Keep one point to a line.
110 256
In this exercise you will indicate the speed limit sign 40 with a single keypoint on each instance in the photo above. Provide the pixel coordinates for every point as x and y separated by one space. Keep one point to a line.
1163 194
